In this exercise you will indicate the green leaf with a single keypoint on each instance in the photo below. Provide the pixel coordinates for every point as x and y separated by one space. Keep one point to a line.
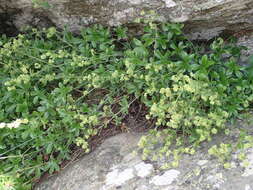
137 42
21 108
158 54
141 51
49 148
149 42
169 35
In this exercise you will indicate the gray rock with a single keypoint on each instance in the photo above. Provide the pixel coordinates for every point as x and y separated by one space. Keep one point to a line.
204 19
116 178
114 166
247 187
202 162
165 179
143 169
97 169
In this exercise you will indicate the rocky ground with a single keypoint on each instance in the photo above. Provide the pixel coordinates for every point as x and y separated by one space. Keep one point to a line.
113 166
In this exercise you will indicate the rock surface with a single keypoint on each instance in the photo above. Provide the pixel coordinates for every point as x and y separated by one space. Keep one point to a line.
113 166
204 19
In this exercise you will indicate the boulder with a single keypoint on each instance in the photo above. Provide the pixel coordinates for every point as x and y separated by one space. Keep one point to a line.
113 165
203 19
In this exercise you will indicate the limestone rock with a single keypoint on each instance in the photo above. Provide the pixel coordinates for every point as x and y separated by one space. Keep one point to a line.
165 179
114 166
204 19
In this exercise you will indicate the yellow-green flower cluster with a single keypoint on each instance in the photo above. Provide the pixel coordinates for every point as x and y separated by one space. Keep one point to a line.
21 79
14 124
51 32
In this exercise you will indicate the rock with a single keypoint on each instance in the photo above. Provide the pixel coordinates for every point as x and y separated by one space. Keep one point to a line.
247 187
99 169
165 179
246 41
114 166
204 19
216 180
249 169
116 178
143 169
202 162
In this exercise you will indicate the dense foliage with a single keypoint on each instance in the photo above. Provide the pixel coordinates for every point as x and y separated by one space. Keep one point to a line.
58 89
